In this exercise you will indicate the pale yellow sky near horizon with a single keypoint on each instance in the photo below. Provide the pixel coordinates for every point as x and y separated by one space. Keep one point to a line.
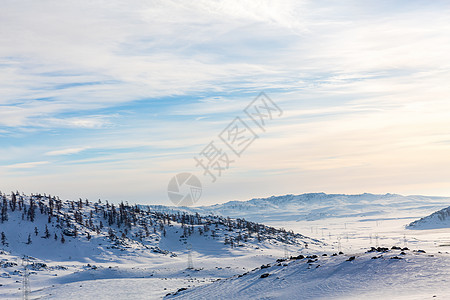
119 97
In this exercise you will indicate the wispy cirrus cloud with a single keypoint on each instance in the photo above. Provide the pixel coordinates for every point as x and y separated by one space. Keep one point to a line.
28 165
66 151
109 91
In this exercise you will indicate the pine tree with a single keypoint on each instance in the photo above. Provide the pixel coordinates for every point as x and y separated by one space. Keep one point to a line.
31 210
13 201
4 212
3 239
47 233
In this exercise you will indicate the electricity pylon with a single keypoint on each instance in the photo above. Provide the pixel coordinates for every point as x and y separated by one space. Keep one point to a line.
26 280
190 263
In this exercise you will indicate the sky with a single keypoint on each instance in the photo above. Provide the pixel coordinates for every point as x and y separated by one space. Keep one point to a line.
111 99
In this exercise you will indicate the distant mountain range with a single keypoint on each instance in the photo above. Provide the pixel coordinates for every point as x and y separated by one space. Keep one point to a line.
316 206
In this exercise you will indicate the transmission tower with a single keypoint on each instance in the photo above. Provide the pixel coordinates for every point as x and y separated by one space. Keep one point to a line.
26 280
286 252
190 263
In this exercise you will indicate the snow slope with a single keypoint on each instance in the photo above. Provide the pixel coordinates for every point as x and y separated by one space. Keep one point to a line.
438 219
384 274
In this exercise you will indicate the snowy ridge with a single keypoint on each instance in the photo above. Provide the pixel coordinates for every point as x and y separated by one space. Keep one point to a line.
29 221
438 219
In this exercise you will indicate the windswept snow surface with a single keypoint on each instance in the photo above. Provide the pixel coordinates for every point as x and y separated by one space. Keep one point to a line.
375 275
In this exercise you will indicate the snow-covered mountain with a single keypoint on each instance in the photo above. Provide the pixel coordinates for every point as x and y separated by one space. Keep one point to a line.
438 219
318 206
69 241
99 250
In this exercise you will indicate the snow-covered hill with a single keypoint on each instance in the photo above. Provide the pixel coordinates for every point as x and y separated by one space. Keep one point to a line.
379 273
353 222
70 241
98 250
438 219
46 227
